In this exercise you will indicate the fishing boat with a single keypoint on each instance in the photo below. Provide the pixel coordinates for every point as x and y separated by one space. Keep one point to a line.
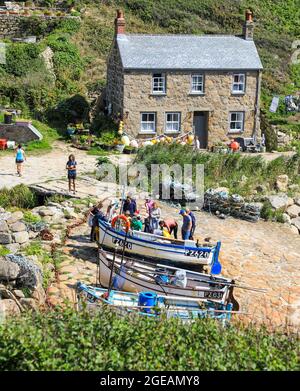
154 247
153 305
135 275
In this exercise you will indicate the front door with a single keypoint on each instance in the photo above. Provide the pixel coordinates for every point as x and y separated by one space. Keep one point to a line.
200 126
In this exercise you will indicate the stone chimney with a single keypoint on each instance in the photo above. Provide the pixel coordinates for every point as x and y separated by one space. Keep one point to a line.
248 30
119 23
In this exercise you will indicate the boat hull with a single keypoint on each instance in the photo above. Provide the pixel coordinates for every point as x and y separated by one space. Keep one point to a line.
150 246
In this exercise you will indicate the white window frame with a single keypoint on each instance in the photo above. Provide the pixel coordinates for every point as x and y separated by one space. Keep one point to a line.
148 122
193 84
242 121
159 83
241 82
174 123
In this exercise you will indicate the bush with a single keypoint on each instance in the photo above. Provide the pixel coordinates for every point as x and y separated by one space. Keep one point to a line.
71 341
20 196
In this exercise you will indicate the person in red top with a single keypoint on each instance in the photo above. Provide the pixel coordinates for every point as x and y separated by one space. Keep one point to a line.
171 225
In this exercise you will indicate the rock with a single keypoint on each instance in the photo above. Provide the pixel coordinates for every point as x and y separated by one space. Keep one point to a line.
282 182
5 238
222 190
294 187
10 307
278 201
55 204
4 216
33 235
15 216
286 218
293 211
297 201
261 189
48 211
29 304
8 270
294 229
18 227
30 275
2 210
296 222
3 226
18 293
39 295
13 248
21 237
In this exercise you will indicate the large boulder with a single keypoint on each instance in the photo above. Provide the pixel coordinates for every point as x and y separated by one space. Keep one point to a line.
296 222
21 237
10 307
5 216
293 211
29 304
279 201
8 270
18 227
13 248
15 216
282 182
5 238
3 226
30 274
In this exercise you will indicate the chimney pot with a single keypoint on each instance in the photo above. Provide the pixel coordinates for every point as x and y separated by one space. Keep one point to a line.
248 29
249 16
120 23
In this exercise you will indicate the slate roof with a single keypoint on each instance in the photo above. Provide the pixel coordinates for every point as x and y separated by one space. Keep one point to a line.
187 52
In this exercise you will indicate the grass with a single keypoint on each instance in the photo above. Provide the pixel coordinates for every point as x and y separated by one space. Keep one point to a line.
3 251
240 174
19 196
67 340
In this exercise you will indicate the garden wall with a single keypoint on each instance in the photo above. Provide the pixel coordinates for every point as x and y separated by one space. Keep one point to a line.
19 133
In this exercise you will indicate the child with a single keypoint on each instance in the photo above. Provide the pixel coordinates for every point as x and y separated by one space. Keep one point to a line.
71 167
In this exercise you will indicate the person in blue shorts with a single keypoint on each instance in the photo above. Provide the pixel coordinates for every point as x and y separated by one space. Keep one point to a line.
20 158
71 167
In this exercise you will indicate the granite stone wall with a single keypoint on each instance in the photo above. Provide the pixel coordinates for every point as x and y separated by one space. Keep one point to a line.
115 81
217 101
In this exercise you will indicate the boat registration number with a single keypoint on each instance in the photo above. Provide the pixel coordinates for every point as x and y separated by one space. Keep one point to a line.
121 242
197 253
213 295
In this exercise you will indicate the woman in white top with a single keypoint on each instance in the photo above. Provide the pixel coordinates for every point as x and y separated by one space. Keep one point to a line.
155 216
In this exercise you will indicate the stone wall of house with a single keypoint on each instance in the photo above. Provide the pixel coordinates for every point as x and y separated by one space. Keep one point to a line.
217 100
115 81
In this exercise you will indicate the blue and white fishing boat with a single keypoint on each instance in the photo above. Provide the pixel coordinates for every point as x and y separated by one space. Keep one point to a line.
153 247
153 305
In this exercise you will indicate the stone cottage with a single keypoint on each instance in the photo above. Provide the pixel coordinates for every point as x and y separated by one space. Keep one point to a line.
170 84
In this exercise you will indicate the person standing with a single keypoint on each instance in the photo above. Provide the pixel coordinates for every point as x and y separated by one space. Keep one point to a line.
129 205
193 217
171 225
20 158
186 225
149 205
98 215
155 216
72 172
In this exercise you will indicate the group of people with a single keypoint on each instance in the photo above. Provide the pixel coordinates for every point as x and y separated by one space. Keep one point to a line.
153 222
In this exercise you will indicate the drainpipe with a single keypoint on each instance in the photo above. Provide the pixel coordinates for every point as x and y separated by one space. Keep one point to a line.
256 114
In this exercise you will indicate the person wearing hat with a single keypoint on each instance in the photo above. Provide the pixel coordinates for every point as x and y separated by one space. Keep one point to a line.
129 205
186 225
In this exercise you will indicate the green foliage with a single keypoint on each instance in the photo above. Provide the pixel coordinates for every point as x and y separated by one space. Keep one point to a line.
20 196
58 198
3 251
22 58
30 217
268 213
228 170
67 340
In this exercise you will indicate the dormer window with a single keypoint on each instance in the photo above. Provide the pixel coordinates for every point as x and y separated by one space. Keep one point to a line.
238 85
159 83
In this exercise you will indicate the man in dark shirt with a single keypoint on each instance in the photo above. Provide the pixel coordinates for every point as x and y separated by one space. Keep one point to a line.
193 217
129 205
186 225
98 216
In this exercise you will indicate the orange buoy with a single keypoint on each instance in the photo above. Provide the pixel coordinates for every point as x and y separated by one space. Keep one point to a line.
121 217
234 145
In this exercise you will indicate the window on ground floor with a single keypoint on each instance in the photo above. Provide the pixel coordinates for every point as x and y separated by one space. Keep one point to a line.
148 122
236 119
172 123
